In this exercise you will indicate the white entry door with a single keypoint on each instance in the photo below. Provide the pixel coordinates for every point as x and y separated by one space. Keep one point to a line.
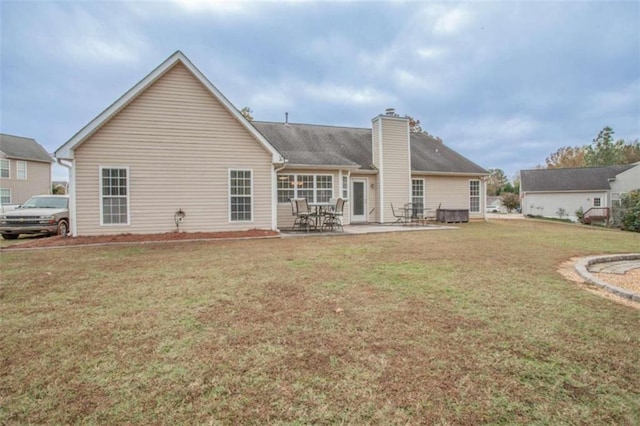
358 200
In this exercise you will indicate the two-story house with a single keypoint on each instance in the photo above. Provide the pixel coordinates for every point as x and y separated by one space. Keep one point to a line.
25 169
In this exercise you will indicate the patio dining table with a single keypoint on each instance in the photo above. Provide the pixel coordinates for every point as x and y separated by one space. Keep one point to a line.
320 208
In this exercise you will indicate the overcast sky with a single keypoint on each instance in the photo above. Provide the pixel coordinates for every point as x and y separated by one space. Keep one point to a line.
503 83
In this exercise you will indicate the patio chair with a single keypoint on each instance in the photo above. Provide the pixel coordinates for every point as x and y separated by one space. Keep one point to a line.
415 211
399 214
333 216
294 212
304 216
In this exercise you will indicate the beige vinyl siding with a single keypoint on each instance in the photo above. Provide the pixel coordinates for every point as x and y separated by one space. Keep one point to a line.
450 192
179 143
396 170
38 181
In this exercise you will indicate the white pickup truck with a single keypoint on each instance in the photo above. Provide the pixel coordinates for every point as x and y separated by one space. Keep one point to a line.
41 214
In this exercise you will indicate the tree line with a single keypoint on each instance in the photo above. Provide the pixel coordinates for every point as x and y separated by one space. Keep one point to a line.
603 151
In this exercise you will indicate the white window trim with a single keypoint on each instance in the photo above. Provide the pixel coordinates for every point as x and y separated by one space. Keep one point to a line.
344 191
594 202
2 160
253 213
423 190
315 185
10 195
102 196
479 196
18 163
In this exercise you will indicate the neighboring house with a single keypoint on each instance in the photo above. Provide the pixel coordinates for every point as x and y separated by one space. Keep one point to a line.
174 142
25 169
561 192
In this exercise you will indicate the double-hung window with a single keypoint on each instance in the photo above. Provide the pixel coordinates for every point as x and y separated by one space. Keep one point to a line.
417 192
474 196
597 202
5 196
21 170
114 195
345 187
240 195
5 169
315 188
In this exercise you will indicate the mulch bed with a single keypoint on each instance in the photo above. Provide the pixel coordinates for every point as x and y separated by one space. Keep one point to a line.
138 238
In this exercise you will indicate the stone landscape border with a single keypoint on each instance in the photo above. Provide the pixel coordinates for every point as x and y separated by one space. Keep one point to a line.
582 268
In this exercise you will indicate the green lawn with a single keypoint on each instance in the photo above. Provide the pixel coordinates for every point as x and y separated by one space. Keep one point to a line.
446 327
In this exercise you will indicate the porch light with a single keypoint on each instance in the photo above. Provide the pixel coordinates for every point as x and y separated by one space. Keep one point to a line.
178 217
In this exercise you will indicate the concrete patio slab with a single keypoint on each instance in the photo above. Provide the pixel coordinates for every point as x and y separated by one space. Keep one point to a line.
367 229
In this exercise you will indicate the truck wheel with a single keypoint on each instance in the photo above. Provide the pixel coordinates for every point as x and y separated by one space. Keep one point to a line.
10 236
63 228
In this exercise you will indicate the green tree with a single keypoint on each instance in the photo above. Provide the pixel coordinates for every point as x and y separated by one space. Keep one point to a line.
631 211
246 113
631 152
604 151
508 188
496 182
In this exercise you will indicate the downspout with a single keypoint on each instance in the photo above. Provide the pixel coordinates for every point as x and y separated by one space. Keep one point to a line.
483 205
274 196
72 194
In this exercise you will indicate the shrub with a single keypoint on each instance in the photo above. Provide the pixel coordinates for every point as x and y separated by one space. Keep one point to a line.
580 214
510 201
631 211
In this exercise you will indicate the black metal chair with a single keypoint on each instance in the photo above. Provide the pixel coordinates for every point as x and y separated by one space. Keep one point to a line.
333 217
400 215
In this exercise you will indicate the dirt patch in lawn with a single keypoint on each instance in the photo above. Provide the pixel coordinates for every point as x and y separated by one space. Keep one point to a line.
139 238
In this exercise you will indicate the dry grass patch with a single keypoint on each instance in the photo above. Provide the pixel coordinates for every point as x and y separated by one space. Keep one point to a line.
464 327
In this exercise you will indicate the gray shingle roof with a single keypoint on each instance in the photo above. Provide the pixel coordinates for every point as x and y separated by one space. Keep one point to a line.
431 155
570 179
308 144
319 145
23 148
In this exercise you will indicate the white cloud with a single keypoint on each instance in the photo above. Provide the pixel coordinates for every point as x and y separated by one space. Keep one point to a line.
452 21
430 52
345 94
612 102
222 7
489 131
86 38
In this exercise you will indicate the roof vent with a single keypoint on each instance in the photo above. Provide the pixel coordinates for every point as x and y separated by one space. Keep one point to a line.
390 112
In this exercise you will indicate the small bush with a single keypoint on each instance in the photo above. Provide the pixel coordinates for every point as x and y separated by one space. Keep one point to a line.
631 211
510 200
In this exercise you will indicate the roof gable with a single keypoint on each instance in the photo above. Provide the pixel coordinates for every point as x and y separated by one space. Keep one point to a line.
66 150
570 179
23 149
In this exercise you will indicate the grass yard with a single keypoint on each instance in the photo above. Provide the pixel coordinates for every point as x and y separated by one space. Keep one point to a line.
445 327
